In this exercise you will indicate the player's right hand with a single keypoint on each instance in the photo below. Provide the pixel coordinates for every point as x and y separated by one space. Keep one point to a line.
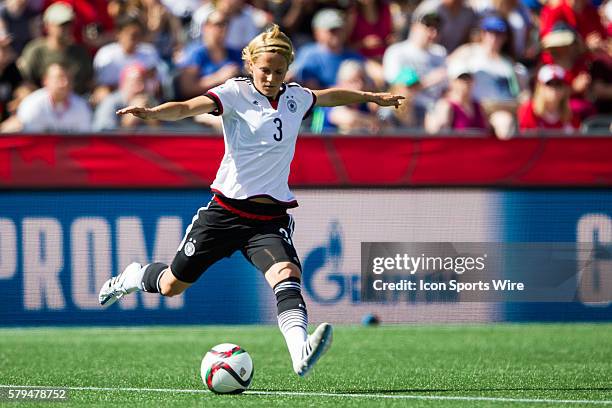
139 112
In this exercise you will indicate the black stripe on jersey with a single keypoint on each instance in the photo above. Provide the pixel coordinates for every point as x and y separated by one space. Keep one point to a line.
314 102
217 101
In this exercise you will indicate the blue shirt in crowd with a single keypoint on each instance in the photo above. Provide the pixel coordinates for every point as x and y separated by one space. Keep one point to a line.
316 62
197 55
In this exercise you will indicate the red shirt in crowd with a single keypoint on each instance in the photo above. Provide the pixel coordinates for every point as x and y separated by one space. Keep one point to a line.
381 29
461 119
89 15
529 120
585 22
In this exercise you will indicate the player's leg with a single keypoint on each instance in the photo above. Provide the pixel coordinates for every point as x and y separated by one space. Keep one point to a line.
285 279
272 252
200 248
152 278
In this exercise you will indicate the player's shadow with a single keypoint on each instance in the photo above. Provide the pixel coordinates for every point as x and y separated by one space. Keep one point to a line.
462 389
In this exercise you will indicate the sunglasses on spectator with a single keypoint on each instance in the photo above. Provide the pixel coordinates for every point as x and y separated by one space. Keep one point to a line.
555 83
219 23
496 32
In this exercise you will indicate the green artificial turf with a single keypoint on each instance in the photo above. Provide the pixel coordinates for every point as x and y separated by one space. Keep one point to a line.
380 364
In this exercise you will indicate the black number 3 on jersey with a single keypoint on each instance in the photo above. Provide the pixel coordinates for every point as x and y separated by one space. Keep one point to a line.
279 125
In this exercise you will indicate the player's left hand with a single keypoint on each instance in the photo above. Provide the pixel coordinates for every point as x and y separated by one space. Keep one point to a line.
386 99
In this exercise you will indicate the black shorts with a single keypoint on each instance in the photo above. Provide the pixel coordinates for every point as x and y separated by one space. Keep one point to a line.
262 232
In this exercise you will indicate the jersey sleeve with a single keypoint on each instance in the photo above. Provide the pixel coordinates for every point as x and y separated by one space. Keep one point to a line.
307 99
313 102
225 96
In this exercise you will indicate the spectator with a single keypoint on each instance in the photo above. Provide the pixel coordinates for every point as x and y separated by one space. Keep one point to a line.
112 58
18 22
457 111
294 18
57 47
245 21
562 48
458 20
549 108
498 80
420 53
210 63
601 67
581 15
408 85
55 108
132 83
402 12
372 28
352 118
519 20
93 26
163 29
606 11
12 123
182 9
10 78
601 74
317 64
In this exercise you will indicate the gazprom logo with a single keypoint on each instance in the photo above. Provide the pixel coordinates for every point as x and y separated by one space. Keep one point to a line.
324 280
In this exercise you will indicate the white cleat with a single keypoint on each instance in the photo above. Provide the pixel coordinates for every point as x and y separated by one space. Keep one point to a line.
316 345
114 288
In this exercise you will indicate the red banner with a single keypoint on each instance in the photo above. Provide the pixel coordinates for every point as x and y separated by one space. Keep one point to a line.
192 161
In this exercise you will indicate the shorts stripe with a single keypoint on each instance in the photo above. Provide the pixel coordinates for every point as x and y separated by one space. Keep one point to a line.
188 230
291 225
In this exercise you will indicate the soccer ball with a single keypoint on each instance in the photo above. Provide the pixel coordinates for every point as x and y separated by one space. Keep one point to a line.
227 369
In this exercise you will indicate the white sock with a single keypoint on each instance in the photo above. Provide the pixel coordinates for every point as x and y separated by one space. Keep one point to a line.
293 320
133 280
293 325
295 338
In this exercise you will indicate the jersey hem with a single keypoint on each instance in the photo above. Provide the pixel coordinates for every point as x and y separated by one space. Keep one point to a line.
287 204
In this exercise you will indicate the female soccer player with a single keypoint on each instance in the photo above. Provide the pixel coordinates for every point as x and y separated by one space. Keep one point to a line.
261 118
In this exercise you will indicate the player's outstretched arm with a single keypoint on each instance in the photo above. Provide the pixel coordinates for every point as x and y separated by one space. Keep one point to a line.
172 110
339 96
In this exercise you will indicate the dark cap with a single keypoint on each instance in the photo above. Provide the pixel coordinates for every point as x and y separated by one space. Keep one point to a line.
430 19
494 24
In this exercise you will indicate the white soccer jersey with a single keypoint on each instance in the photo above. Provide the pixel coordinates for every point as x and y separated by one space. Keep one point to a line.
260 137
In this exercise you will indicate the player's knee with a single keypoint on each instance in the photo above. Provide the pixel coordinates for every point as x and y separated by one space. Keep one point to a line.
282 271
170 286
170 291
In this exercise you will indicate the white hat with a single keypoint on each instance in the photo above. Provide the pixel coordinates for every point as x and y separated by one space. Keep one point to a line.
58 13
457 69
558 38
550 72
328 19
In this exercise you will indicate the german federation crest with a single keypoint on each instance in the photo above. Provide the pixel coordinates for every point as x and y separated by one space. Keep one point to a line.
189 248
291 105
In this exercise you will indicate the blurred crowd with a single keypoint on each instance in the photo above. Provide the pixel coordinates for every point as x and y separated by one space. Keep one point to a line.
502 67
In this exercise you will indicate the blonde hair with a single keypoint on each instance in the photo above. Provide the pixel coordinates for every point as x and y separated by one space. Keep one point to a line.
272 40
563 104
